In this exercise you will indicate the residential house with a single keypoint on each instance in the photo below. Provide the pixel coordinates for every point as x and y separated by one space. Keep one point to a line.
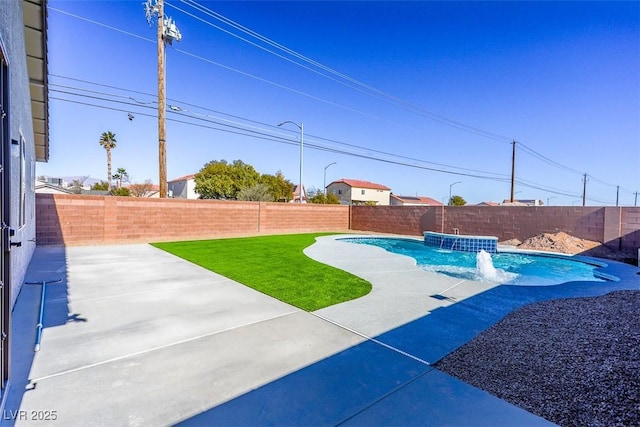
488 204
24 139
523 202
48 188
296 194
183 188
413 201
357 192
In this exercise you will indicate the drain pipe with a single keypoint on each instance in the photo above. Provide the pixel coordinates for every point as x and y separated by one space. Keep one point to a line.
41 316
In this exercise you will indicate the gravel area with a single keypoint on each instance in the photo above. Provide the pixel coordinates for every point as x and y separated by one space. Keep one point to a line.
574 362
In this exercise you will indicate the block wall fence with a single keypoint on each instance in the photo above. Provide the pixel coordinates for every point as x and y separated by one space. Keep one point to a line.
89 220
616 227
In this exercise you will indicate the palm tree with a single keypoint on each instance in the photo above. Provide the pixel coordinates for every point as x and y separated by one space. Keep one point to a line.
120 176
108 142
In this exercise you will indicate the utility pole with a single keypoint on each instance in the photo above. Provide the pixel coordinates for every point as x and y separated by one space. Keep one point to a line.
513 172
617 194
167 33
584 190
635 202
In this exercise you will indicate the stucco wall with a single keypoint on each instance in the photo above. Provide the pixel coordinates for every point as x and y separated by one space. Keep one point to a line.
184 189
341 190
20 124
354 194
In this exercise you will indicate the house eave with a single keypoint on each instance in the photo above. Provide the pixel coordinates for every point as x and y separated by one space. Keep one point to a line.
35 32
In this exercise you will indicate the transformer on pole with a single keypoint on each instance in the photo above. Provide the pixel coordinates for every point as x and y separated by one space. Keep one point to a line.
167 33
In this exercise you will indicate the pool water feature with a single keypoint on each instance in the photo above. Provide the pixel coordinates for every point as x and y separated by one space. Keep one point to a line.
459 242
486 271
500 268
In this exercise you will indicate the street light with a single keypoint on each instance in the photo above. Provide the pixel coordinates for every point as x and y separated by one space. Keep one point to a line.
549 198
325 179
301 127
457 182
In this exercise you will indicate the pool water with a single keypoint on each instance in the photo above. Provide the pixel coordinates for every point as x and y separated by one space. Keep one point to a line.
504 267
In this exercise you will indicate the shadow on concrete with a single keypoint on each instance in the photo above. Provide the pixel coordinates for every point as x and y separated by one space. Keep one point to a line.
388 379
51 265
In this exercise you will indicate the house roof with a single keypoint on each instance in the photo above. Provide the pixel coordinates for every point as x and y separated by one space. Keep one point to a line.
361 184
488 204
417 199
184 178
296 192
40 186
35 30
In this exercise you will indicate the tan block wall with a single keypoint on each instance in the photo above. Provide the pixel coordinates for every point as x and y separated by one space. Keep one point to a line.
630 228
85 220
618 228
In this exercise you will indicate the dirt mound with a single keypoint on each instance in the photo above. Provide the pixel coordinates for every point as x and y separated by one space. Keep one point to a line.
567 244
511 242
558 242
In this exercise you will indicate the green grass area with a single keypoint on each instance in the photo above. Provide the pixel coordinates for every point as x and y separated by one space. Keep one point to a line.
276 266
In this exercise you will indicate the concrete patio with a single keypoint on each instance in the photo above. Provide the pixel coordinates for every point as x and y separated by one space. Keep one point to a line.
135 336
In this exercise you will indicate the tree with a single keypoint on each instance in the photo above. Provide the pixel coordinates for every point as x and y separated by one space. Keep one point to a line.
108 142
100 186
257 193
221 180
457 201
140 190
330 199
120 176
281 189
121 191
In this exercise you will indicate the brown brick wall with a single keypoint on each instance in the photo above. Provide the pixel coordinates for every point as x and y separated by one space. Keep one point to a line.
617 227
84 220
408 220
288 217
522 222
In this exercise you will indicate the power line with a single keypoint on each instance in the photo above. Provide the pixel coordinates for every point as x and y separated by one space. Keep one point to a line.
378 94
269 137
265 124
360 87
519 181
240 130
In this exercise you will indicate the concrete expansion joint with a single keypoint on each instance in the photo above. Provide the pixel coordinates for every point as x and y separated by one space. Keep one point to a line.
386 395
368 338
33 382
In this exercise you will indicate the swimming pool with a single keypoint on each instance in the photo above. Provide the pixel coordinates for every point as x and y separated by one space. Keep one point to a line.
502 268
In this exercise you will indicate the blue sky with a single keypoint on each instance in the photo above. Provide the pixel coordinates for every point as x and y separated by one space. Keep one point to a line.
412 95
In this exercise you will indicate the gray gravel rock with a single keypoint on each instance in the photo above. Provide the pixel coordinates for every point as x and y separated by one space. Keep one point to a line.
575 362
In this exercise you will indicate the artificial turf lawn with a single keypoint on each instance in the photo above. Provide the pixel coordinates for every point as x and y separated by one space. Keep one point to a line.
276 266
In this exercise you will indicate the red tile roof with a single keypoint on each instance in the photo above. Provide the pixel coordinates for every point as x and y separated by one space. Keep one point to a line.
296 193
417 200
362 184
183 178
